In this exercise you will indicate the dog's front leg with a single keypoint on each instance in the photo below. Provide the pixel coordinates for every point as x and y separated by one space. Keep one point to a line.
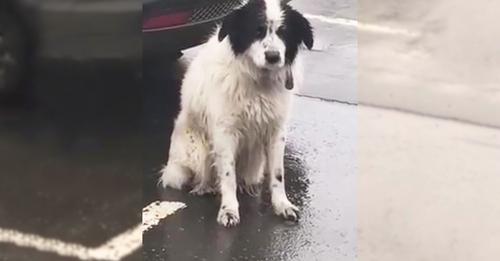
275 155
225 147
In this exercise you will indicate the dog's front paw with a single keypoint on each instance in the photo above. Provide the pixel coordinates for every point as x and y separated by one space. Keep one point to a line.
228 217
286 209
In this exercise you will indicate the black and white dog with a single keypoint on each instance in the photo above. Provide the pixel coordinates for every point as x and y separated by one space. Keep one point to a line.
235 101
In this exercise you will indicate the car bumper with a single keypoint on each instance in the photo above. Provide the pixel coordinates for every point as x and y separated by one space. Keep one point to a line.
177 38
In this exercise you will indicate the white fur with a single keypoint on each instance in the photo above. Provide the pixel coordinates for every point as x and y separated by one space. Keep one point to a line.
273 10
231 128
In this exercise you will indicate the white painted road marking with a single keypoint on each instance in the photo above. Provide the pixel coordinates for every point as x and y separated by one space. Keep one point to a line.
156 211
362 26
115 249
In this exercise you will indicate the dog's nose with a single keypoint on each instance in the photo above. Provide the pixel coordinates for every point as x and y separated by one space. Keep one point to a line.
272 56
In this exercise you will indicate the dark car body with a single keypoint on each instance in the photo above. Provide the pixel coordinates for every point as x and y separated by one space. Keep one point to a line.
172 25
68 29
81 29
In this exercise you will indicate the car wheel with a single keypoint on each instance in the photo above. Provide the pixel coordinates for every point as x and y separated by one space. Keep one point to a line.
12 53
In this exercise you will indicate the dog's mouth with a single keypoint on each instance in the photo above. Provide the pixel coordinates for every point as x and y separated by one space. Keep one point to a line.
289 82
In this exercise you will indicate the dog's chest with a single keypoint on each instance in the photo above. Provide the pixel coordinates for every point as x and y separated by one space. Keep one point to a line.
259 114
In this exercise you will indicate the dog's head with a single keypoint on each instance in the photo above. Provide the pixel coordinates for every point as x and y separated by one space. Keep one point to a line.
268 32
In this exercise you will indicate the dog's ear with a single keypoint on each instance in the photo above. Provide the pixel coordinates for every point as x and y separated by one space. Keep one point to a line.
226 26
300 26
306 31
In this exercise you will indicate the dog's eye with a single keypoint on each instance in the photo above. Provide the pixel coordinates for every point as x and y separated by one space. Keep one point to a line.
261 31
281 30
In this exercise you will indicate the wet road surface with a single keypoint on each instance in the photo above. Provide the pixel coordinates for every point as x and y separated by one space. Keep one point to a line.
332 64
70 158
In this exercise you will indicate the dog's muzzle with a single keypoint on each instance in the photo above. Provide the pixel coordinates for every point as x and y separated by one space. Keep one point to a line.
272 57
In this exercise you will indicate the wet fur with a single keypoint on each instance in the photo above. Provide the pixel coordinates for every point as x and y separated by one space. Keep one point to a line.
234 109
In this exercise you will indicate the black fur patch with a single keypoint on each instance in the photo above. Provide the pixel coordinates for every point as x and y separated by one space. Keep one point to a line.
279 177
295 31
244 26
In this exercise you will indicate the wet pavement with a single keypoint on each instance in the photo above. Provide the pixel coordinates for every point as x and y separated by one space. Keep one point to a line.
71 158
333 61
320 165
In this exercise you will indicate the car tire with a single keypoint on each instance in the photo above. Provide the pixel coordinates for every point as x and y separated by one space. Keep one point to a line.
13 53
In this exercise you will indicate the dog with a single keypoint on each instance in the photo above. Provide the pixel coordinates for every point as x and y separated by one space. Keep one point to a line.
235 102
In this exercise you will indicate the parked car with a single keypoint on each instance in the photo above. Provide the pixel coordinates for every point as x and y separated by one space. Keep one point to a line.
73 29
174 25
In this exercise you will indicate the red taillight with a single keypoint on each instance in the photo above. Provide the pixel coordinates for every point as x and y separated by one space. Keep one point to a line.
166 20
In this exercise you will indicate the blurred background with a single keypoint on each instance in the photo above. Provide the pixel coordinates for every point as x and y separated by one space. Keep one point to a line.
429 137
59 29
70 129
